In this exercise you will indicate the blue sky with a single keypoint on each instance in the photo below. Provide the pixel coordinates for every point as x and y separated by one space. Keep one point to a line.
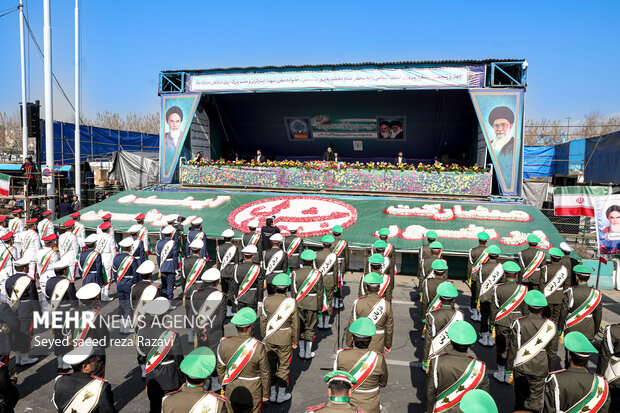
572 48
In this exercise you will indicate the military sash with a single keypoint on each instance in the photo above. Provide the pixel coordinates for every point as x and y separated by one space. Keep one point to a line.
384 284
441 340
613 368
308 284
86 399
533 265
76 228
340 246
207 403
200 235
284 311
45 227
293 247
148 294
329 262
274 261
557 281
80 333
206 310
385 265
513 302
134 246
19 288
239 360
248 280
388 250
59 292
196 270
142 233
324 304
492 279
435 304
535 344
159 352
28 239
123 268
4 257
377 311
102 242
585 309
166 250
364 366
89 261
14 224
254 239
228 256
483 258
65 245
595 398
45 260
471 378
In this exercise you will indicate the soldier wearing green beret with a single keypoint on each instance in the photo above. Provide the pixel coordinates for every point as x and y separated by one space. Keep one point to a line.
192 396
582 306
530 353
478 401
377 264
341 249
531 259
425 252
366 365
427 267
491 273
340 385
308 292
429 286
438 322
576 389
279 325
454 373
609 362
376 308
327 263
387 266
242 366
506 306
477 256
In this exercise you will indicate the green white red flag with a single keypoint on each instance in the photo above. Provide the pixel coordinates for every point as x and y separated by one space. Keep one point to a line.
576 200
5 183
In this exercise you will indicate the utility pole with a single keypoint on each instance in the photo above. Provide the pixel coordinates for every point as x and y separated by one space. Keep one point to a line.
568 118
23 64
49 109
78 152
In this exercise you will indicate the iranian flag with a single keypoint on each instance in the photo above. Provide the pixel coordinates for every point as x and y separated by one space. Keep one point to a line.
576 200
5 183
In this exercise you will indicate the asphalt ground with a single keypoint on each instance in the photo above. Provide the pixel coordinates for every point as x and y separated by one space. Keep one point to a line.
405 391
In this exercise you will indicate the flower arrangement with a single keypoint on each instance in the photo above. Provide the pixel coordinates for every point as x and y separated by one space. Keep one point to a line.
418 232
438 213
518 238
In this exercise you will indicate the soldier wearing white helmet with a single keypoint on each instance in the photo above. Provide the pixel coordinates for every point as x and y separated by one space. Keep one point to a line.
192 268
142 293
249 279
96 330
227 255
90 267
124 270
196 233
569 262
252 237
137 247
168 261
275 261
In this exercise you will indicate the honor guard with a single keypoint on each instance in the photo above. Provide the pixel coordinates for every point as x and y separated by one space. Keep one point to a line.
171 220
46 258
8 255
16 224
477 256
341 249
45 227
340 387
326 261
531 259
90 268
582 306
79 230
242 366
424 253
609 362
279 325
430 299
30 244
143 233
530 353
506 307
106 218
293 246
576 389
491 273
192 268
227 255
389 248
366 365
569 262
554 280
124 272
427 268
192 396
196 233
24 301
249 279
478 401
143 292
60 293
253 238
208 310
107 248
68 247
168 261
454 373
387 267
376 264
307 286
159 350
378 310
275 261
96 330
137 247
438 322
81 390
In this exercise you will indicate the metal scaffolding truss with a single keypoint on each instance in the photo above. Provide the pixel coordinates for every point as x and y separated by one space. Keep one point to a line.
171 82
508 74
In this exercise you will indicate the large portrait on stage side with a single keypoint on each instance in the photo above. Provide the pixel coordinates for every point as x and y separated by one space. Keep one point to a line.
391 128
176 116
298 129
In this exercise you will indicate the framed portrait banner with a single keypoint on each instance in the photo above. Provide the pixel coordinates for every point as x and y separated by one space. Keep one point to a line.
607 213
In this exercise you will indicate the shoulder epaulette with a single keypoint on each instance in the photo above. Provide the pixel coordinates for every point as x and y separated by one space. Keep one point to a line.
219 397
344 348
314 408
174 391
98 378
556 372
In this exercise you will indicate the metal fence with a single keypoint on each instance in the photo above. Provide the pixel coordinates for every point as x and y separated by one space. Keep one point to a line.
579 232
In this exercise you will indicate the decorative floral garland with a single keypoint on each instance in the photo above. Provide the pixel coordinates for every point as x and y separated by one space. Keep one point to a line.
320 213
437 213
518 238
189 202
418 232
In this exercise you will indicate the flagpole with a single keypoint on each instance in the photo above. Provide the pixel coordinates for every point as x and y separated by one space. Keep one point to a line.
598 274
77 137
49 106
23 70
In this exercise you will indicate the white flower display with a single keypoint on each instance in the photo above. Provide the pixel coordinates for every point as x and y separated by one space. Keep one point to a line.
438 213
481 212
189 202
518 238
152 216
418 232
394 232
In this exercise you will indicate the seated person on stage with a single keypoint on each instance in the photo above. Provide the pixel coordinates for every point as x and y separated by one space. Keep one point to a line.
328 155
258 158
336 157
399 159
